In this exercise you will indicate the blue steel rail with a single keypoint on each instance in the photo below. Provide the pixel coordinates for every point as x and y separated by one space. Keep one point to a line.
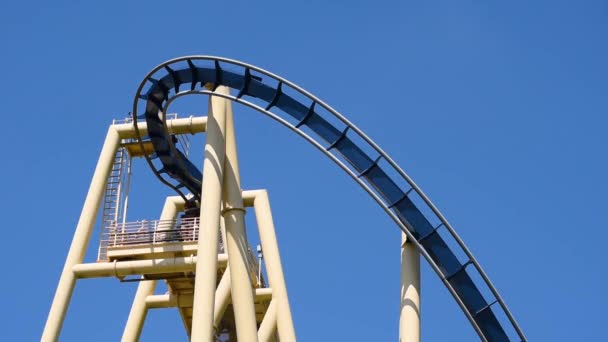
342 142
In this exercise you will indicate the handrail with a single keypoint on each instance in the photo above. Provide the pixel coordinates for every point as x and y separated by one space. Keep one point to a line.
151 232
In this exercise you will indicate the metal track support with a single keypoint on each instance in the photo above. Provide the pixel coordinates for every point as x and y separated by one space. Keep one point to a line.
82 236
274 269
409 319
236 240
268 327
88 215
211 192
173 205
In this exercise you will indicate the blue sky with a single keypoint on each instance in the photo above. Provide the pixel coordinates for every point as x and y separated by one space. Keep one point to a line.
497 110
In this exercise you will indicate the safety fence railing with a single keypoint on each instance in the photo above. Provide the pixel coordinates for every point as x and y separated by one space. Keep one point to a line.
147 232
129 119
150 232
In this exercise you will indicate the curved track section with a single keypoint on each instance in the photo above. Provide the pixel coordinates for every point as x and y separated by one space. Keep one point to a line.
342 142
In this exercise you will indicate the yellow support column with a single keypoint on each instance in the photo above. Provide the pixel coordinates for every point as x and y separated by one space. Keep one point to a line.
268 327
211 193
236 239
274 269
409 320
222 294
173 205
81 238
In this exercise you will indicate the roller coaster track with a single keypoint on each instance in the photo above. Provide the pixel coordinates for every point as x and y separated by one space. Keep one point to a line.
342 142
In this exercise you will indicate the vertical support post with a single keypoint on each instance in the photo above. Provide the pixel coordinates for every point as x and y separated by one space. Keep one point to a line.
211 193
274 269
81 238
236 239
409 320
139 310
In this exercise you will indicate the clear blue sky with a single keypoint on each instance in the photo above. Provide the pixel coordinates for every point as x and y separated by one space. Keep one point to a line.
498 110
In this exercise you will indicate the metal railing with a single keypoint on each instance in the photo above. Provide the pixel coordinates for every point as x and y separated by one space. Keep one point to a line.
145 232
149 232
129 119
